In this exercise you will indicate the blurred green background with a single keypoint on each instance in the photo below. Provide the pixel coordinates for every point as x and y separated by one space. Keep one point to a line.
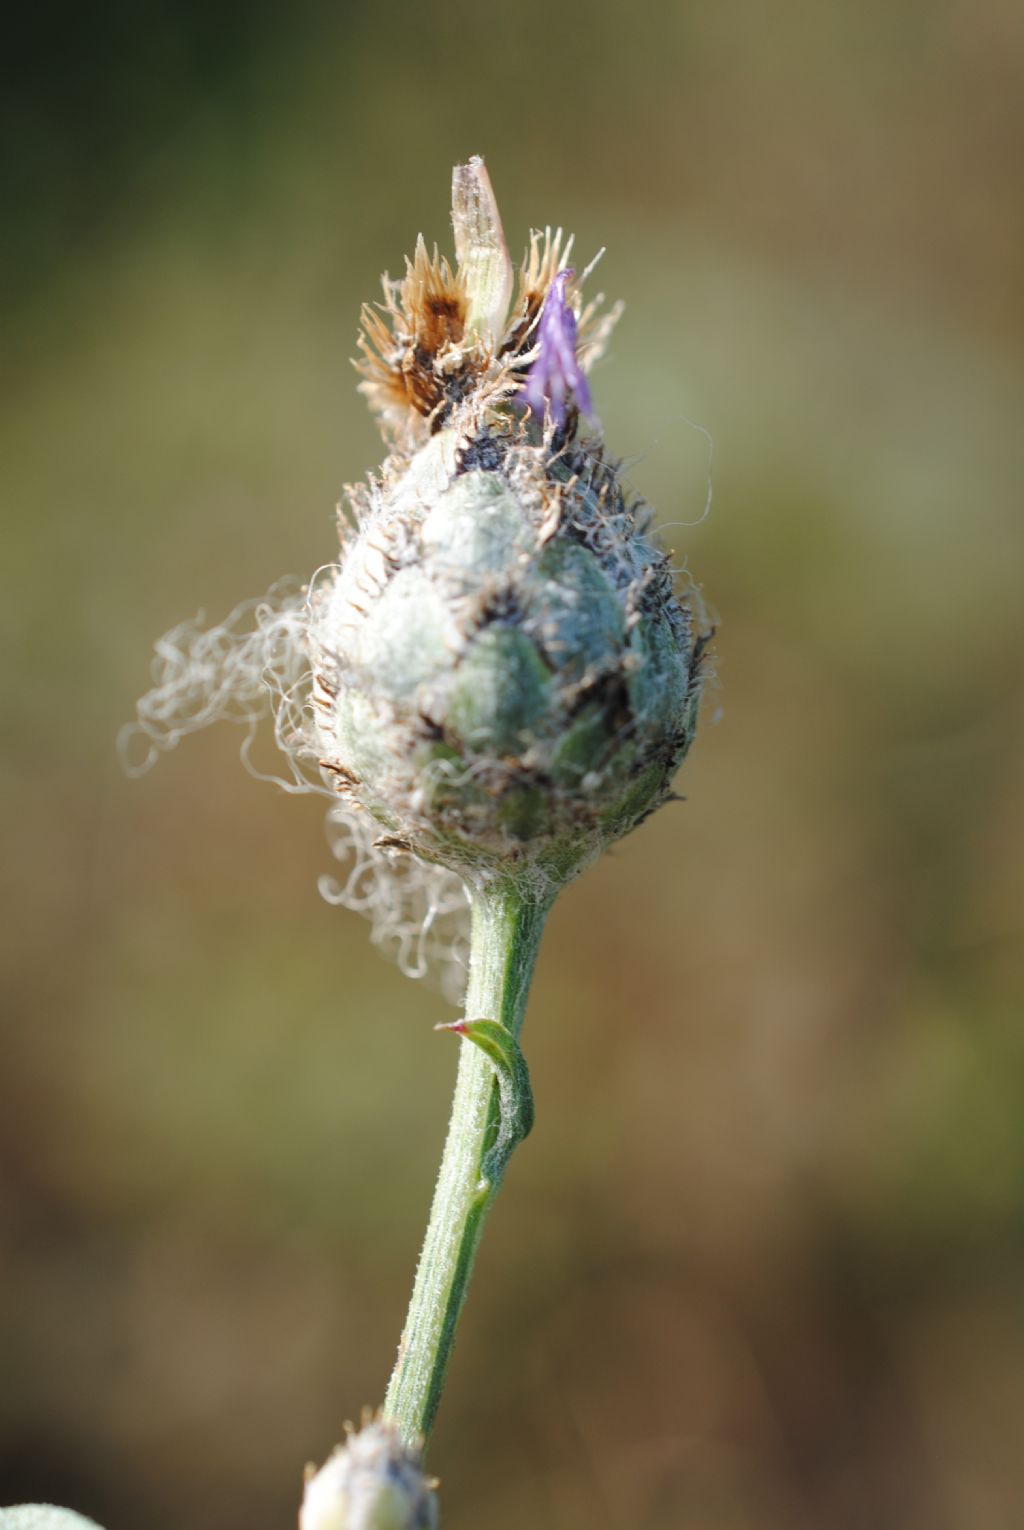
761 1266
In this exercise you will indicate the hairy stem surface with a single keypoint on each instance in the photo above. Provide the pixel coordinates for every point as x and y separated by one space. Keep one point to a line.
506 933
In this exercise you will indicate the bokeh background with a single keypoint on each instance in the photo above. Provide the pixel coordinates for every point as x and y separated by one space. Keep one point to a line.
761 1266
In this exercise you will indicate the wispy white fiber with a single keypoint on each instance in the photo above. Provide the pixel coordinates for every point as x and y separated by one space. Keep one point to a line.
253 669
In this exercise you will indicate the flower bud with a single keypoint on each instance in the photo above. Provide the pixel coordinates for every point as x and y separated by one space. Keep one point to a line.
497 676
43 1516
505 678
372 1482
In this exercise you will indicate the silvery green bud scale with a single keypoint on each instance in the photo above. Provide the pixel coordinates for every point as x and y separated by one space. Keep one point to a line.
504 678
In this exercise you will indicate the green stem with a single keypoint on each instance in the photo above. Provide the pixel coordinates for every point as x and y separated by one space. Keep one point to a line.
507 927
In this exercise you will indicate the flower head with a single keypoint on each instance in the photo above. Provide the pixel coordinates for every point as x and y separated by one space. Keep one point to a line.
497 677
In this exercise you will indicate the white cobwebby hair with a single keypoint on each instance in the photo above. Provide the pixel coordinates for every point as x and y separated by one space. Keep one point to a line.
252 667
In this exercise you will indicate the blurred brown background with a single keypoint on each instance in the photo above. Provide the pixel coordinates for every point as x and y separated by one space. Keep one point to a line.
761 1266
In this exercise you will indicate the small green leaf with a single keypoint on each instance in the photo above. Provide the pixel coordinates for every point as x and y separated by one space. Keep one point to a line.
515 1095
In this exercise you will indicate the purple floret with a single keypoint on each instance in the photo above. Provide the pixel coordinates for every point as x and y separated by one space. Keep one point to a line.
556 372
